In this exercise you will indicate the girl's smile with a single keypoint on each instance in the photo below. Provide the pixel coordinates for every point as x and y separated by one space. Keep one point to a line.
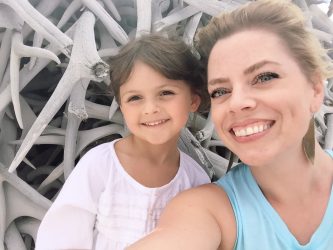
155 108
155 123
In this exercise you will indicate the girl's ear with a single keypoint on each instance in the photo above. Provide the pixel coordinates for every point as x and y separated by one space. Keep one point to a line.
196 100
318 93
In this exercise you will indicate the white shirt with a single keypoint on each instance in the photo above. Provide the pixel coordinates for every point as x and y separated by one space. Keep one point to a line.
102 207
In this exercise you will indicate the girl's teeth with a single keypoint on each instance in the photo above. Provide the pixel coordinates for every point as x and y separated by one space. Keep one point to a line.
154 123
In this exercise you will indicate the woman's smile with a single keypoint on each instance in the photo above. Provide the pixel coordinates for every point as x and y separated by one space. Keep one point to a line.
251 129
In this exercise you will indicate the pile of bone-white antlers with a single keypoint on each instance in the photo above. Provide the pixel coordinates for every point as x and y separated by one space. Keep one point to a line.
54 98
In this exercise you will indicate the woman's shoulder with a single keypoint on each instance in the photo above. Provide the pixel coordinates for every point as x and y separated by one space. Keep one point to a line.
203 197
329 152
239 171
208 197
210 205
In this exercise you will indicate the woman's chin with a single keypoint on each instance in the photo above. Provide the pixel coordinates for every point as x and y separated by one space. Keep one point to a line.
254 159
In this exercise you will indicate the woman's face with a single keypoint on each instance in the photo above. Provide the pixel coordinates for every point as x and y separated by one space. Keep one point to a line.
261 102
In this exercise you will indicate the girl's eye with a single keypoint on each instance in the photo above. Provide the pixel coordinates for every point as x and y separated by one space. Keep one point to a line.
167 92
133 98
219 92
265 77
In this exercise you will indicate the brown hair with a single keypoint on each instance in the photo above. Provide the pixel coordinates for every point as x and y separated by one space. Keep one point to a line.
277 16
169 56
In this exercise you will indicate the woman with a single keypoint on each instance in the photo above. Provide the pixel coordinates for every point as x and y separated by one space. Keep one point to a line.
265 77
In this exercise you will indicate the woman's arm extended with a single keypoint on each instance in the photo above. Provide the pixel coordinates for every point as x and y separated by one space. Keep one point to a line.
193 220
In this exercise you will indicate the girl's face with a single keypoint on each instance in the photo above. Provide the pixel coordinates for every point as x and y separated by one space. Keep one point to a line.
261 102
154 107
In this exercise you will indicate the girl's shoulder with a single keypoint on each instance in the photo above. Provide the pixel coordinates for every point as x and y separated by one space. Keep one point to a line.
100 152
192 167
188 162
97 159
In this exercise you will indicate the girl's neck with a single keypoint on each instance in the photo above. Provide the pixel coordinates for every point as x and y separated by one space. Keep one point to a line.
150 165
157 154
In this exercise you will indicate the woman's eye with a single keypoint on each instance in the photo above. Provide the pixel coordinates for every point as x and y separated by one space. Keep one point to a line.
167 92
219 92
133 98
265 77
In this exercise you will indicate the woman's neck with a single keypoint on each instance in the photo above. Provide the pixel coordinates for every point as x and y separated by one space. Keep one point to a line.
298 191
293 176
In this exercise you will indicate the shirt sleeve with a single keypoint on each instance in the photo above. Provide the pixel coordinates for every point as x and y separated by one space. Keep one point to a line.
194 171
69 223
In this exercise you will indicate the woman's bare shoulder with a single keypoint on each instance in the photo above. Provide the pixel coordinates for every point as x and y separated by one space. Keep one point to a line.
204 196
206 207
195 219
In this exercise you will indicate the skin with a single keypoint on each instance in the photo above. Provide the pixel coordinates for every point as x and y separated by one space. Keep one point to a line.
276 93
258 92
155 109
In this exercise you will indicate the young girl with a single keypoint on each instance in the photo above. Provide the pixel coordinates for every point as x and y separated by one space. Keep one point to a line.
117 191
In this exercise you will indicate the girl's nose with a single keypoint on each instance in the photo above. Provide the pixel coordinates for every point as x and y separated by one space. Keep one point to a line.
151 107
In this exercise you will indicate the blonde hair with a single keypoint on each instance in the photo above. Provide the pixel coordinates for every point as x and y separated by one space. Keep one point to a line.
280 17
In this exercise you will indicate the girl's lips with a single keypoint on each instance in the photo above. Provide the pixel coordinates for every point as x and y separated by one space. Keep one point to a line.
155 123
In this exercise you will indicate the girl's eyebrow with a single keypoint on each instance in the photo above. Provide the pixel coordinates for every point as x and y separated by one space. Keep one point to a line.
137 91
130 92
174 84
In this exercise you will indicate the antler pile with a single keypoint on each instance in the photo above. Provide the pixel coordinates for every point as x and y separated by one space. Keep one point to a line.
54 103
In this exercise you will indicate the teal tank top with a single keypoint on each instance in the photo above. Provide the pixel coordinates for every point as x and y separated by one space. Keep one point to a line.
259 226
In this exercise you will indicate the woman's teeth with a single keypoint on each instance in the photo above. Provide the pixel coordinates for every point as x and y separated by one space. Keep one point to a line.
250 130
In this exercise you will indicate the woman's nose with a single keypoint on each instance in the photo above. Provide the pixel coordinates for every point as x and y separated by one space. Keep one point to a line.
241 99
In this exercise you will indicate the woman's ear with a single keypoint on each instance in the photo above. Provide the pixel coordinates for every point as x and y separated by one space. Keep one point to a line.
196 100
318 92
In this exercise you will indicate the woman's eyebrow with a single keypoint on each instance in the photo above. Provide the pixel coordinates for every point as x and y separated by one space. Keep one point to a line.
257 66
218 80
247 71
